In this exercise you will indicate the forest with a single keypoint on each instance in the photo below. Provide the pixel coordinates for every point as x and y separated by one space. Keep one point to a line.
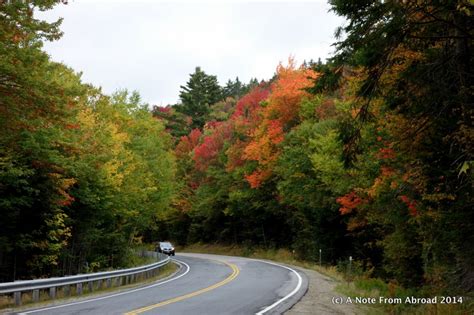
368 154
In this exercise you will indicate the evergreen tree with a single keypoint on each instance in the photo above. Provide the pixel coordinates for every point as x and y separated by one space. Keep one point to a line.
246 88
201 91
234 89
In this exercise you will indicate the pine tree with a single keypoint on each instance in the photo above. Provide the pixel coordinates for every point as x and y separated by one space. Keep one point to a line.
234 89
201 91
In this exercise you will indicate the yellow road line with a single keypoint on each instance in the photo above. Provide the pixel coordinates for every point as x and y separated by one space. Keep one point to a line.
235 273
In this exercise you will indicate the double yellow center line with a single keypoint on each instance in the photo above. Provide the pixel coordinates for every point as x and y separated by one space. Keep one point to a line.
235 273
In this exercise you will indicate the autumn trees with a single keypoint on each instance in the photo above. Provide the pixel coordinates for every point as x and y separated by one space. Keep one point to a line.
30 115
416 62
82 174
238 174
368 154
279 114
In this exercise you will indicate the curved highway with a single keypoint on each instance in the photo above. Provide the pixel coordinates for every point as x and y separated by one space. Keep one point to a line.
205 284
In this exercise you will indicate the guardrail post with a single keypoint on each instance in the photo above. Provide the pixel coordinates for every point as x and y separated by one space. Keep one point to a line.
67 290
79 288
99 284
350 265
109 282
36 295
90 286
320 260
17 297
52 292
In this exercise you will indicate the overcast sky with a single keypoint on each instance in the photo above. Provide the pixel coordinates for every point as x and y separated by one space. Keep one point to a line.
153 46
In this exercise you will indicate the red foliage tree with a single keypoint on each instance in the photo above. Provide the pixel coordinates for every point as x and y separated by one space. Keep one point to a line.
246 118
188 143
206 153
349 202
411 204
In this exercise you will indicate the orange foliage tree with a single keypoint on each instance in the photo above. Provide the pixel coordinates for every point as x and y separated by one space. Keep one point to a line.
279 114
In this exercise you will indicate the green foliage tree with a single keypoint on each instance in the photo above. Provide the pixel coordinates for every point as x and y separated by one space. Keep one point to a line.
221 111
312 214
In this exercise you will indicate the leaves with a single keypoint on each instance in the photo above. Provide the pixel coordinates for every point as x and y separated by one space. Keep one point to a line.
280 112
349 202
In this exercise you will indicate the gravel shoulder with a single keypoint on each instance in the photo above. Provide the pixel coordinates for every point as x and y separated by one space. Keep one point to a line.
318 298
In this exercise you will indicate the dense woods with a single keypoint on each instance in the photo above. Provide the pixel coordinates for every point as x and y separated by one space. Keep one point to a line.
82 174
368 154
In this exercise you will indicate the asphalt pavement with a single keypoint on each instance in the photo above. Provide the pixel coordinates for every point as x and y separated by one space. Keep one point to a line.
205 284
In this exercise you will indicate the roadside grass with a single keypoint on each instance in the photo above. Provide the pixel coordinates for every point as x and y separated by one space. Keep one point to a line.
352 284
136 261
7 302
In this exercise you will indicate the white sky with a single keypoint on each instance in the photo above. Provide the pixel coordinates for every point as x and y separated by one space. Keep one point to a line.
153 46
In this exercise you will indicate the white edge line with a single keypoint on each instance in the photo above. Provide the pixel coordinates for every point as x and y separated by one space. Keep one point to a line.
300 281
113 295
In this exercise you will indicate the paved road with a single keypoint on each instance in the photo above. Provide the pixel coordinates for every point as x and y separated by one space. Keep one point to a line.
206 284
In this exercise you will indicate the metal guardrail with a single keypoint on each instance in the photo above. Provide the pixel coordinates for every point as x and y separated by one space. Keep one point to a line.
121 276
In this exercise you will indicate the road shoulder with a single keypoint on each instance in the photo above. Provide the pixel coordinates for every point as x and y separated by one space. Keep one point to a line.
318 298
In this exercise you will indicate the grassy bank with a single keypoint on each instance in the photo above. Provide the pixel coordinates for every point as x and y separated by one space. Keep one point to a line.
352 284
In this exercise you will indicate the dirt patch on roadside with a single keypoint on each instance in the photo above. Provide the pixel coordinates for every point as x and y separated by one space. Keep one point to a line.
319 298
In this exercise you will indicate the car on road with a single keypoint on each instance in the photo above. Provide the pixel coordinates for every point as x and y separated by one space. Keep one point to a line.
165 248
